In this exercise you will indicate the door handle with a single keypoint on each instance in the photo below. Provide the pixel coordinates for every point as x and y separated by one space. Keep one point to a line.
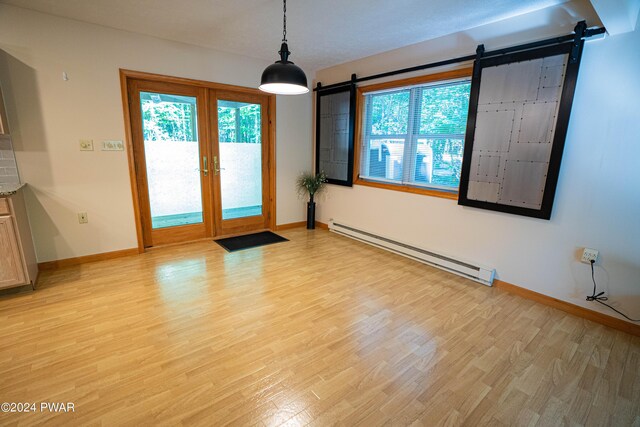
216 170
206 168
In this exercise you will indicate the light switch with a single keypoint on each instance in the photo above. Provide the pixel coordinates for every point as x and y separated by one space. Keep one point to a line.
112 146
86 145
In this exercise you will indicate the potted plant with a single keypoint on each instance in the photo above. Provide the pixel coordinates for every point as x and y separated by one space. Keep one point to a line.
308 183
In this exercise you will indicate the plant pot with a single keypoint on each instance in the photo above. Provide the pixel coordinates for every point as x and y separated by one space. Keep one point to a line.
311 215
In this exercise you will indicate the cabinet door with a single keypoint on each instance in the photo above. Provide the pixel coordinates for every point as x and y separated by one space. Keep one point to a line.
11 271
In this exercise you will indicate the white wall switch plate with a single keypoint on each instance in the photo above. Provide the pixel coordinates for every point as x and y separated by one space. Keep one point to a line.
112 146
86 145
589 255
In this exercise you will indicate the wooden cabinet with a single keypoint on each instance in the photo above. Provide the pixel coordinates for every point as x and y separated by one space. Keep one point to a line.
18 264
11 269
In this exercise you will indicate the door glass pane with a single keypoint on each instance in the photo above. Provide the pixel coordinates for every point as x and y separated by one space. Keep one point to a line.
240 142
169 124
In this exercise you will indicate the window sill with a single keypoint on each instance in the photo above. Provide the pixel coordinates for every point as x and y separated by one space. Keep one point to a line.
408 189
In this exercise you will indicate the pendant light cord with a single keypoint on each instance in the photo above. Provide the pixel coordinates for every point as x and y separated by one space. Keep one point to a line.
284 21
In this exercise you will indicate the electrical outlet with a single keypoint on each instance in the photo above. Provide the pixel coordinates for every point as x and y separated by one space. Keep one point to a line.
83 218
86 145
589 255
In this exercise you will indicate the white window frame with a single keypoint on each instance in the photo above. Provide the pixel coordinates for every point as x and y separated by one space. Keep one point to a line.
415 86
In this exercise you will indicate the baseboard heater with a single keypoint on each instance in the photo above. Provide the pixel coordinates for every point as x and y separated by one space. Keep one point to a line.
477 273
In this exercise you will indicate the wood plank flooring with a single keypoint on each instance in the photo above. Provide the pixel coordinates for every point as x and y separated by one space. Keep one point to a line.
321 330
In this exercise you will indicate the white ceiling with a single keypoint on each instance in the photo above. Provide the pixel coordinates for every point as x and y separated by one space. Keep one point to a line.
320 33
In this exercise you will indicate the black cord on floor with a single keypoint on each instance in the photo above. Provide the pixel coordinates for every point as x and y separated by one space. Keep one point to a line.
599 298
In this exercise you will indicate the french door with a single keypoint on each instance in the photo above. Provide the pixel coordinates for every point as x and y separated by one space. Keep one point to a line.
201 159
240 161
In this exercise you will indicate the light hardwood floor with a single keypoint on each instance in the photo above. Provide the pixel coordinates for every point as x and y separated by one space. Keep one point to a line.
321 330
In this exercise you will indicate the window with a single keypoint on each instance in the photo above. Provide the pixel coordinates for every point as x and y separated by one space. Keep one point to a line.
413 135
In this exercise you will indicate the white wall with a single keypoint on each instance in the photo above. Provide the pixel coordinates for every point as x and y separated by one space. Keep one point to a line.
294 125
598 197
49 116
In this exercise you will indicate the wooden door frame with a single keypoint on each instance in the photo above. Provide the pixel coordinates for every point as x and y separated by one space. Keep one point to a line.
127 75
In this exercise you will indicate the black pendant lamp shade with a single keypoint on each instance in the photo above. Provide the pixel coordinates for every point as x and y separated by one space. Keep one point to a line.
284 77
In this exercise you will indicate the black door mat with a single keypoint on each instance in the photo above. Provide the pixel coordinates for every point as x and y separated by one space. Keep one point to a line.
247 241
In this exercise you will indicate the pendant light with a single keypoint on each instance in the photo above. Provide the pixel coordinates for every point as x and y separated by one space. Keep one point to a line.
284 77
